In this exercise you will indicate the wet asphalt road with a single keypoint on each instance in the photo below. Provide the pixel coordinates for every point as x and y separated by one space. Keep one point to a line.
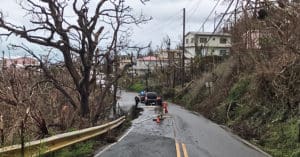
181 132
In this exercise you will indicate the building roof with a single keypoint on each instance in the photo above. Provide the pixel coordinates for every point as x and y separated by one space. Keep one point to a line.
209 34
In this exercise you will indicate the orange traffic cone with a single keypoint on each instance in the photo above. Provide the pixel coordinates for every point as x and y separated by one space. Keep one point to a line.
157 119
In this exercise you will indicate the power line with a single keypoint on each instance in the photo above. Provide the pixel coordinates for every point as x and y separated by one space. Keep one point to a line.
213 9
170 20
221 20
188 4
194 9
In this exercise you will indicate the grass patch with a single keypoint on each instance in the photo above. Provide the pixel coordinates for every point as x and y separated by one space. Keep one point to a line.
77 150
281 139
137 87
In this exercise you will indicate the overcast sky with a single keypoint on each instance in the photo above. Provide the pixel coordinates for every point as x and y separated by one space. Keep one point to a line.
166 14
167 19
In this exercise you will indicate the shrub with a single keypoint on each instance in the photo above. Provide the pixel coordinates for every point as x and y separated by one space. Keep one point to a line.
77 150
238 90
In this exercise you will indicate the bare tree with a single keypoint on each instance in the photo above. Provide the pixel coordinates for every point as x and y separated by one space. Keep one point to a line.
75 39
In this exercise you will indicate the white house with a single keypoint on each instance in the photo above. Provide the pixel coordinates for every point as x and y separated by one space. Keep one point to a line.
206 44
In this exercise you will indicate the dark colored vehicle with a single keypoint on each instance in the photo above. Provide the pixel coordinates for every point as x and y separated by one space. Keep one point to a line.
151 98
142 97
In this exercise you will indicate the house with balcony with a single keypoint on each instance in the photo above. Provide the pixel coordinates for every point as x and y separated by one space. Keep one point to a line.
207 44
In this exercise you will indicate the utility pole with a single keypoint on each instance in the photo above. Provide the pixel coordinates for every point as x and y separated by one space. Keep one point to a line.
147 77
183 50
169 80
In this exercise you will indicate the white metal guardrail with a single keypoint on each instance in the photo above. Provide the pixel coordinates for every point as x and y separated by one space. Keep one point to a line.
43 146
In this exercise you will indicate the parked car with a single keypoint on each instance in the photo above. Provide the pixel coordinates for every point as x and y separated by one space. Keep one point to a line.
151 98
142 97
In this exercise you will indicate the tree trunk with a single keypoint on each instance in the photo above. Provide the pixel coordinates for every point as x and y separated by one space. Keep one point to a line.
115 99
2 137
84 103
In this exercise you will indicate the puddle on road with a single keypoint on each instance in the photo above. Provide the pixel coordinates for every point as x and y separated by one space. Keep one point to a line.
146 123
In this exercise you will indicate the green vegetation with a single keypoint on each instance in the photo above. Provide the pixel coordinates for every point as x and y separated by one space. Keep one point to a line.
137 87
281 139
77 150
238 90
246 104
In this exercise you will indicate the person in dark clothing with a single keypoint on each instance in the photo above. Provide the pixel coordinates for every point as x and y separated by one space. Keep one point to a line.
137 100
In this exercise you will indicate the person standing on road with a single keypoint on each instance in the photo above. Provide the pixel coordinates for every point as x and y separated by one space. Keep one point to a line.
137 100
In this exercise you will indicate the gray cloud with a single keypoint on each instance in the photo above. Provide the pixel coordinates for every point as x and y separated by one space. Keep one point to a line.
167 18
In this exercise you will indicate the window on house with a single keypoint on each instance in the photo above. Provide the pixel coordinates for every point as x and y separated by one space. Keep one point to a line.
186 41
223 52
192 40
223 40
202 40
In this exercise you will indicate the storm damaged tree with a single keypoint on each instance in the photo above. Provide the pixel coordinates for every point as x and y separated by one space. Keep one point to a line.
77 30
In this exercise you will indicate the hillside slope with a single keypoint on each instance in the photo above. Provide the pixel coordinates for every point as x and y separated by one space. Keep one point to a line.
246 103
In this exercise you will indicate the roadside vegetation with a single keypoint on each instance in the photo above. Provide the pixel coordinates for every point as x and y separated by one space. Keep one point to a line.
137 87
255 91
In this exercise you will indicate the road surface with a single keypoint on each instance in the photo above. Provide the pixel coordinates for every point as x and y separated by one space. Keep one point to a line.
180 134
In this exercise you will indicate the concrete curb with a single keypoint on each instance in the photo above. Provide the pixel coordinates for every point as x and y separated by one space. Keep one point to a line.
244 141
